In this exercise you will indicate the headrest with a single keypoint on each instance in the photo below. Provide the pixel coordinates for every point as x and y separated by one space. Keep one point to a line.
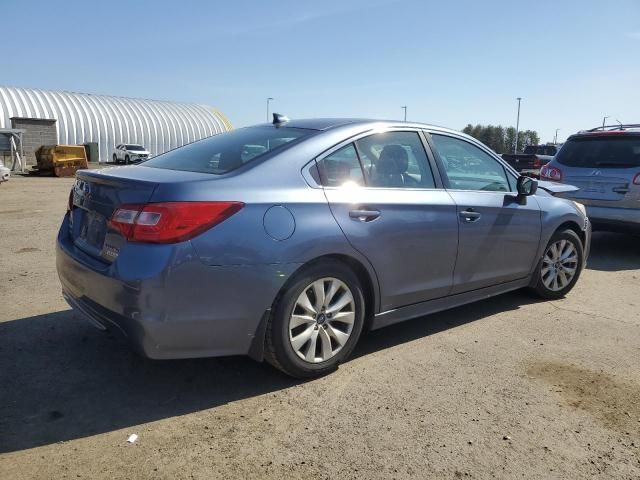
393 160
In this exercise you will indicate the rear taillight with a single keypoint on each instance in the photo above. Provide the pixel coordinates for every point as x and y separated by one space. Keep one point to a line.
551 173
636 179
536 162
170 222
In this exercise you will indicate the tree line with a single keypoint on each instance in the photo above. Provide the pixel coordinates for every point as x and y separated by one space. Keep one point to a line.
501 139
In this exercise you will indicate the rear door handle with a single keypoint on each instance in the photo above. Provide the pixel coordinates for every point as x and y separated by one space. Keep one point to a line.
470 216
364 215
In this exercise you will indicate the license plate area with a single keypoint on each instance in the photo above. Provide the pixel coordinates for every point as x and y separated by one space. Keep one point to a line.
93 228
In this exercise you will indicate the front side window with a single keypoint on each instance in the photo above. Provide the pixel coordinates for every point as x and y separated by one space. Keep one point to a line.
469 168
340 168
228 151
395 160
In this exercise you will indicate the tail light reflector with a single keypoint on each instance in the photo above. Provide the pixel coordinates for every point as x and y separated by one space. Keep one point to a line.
536 162
551 173
170 222
70 201
636 179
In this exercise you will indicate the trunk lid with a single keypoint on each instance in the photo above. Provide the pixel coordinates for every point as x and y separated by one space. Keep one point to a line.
96 195
599 185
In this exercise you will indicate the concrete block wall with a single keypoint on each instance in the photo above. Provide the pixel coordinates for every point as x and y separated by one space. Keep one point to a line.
38 133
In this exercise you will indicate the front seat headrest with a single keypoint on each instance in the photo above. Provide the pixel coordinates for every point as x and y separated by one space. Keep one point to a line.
393 160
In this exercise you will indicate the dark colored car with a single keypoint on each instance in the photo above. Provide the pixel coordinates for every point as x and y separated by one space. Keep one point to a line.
532 159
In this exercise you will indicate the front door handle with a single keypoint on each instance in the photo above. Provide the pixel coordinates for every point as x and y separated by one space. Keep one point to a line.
470 216
364 215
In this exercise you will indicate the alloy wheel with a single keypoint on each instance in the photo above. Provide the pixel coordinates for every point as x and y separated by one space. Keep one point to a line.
322 320
559 265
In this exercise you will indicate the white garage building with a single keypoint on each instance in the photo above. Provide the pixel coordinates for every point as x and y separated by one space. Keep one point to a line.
81 118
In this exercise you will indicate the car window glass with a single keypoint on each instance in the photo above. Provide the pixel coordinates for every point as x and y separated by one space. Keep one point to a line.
610 151
395 160
469 168
228 151
340 168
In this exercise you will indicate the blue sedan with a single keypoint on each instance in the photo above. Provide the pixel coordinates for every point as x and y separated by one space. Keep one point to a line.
285 241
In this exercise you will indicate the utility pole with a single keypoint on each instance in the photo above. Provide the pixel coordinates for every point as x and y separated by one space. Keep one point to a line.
515 147
405 112
268 100
555 139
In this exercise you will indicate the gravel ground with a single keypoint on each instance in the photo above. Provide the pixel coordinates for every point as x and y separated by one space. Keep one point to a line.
505 388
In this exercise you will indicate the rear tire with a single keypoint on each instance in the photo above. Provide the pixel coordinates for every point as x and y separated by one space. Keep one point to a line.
316 321
115 159
560 266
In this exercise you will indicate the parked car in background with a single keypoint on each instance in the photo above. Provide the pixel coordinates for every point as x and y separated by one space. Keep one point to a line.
285 241
129 153
532 159
604 163
5 173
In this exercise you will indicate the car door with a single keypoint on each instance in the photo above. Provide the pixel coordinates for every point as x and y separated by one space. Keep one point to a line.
382 192
498 233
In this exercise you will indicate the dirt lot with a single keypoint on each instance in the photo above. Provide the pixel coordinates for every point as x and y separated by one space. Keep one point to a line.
504 388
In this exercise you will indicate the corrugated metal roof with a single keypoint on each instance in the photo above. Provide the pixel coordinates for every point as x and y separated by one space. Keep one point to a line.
109 121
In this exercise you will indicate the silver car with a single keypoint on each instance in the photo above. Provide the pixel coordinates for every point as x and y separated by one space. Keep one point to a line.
604 163
286 241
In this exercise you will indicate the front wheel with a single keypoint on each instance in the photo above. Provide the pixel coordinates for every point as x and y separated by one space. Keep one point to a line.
316 322
560 266
126 160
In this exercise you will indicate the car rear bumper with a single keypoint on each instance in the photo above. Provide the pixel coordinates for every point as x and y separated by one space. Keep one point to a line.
181 308
611 218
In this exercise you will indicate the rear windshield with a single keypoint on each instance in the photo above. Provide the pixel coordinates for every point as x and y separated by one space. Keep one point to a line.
227 151
601 152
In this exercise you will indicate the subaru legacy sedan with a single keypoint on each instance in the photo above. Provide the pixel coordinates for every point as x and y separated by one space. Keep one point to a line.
286 241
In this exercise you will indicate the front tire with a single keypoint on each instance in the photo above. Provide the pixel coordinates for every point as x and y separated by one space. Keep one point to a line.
560 266
126 160
316 321
115 159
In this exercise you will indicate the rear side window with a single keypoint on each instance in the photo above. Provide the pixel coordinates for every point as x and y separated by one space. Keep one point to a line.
621 151
341 167
227 151
395 160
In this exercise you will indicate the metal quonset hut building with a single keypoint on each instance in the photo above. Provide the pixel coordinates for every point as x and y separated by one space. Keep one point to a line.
80 118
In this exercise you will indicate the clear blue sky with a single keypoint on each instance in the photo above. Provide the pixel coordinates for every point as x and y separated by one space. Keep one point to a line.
452 63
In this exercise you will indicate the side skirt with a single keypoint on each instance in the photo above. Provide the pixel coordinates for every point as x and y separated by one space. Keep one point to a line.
401 314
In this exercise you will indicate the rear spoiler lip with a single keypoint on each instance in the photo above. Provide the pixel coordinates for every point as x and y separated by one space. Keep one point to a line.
555 187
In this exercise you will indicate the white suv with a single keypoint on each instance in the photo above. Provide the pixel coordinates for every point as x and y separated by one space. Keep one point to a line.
130 153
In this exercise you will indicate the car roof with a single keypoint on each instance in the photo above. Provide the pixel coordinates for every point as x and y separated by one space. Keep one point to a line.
605 130
324 124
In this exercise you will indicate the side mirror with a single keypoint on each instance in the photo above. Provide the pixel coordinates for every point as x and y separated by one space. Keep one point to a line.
527 186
